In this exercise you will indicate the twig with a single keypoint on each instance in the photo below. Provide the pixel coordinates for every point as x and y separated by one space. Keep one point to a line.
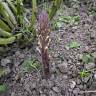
90 91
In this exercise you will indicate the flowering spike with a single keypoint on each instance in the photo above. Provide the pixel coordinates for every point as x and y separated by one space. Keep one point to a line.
43 39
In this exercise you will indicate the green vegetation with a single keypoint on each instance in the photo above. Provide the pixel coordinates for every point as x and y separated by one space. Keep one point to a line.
3 88
87 58
74 44
30 64
69 20
2 72
13 18
84 73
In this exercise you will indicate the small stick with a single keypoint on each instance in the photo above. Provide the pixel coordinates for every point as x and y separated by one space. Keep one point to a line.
90 91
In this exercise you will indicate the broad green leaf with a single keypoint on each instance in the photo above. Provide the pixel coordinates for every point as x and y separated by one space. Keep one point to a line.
59 24
30 64
87 58
74 44
3 88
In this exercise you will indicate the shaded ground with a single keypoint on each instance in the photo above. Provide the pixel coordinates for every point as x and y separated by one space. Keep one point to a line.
65 63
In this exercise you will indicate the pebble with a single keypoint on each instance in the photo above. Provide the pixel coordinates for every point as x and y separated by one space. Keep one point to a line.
51 93
33 85
63 67
72 84
78 81
5 61
81 86
86 48
95 75
51 83
27 88
93 34
7 70
42 95
19 55
89 66
85 80
94 54
56 89
67 48
12 94
44 83
76 91
79 56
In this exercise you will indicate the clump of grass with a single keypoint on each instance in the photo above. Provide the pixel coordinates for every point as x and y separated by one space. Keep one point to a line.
84 73
30 64
87 58
3 88
74 44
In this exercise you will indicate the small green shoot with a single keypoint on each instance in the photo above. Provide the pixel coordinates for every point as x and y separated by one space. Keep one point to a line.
30 64
3 88
72 20
84 73
59 24
74 44
2 71
87 58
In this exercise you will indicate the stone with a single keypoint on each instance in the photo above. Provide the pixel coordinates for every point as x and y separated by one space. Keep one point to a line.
19 55
75 27
50 84
85 80
7 70
43 95
63 67
76 91
5 61
86 48
93 34
56 89
90 66
53 69
52 93
94 75
33 85
27 88
81 87
67 47
78 81
72 84
94 54
12 94
44 82
34 93
79 56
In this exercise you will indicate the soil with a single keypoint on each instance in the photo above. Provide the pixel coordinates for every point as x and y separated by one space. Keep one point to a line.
65 63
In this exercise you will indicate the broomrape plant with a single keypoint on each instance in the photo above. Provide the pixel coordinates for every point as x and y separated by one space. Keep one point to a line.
44 40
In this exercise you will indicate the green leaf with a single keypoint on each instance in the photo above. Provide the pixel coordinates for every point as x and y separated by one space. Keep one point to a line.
59 24
84 73
30 64
74 44
87 58
72 20
2 71
3 88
